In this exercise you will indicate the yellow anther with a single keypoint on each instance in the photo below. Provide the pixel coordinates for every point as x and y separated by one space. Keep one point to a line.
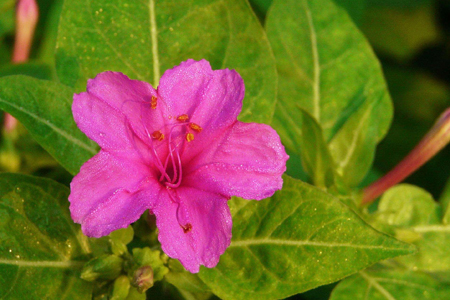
157 135
195 127
189 137
153 102
183 118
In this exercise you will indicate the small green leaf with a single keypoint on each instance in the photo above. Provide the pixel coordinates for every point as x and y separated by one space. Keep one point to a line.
44 108
142 39
299 239
41 251
388 285
316 157
411 214
326 67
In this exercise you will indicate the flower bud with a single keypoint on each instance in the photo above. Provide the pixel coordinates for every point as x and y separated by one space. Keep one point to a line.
103 267
143 278
27 14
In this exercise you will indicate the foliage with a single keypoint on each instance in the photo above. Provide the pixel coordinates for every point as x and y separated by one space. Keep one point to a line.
311 72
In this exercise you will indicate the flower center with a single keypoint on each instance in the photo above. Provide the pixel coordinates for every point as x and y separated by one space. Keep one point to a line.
174 136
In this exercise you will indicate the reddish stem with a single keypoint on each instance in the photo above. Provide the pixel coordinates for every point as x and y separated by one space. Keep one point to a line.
434 141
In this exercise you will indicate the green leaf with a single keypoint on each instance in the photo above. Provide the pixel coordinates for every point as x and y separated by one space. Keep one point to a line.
388 285
41 250
299 239
316 157
411 214
142 39
326 67
44 108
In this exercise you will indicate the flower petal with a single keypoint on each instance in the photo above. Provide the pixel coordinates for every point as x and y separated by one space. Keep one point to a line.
212 99
103 195
210 220
246 161
103 124
130 97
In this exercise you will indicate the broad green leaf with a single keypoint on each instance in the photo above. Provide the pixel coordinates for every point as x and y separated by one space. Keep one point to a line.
326 67
299 239
41 250
142 39
388 285
401 33
316 157
412 215
44 108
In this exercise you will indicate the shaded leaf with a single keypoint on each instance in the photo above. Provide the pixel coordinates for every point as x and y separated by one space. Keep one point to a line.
142 39
41 250
316 157
326 66
44 108
299 239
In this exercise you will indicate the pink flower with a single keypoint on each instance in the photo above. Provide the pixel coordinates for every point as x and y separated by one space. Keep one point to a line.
178 151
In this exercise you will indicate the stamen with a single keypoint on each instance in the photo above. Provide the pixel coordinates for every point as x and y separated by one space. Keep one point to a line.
189 137
187 227
195 127
153 102
157 135
183 118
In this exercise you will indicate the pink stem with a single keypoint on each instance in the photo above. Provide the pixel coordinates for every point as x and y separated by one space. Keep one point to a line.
434 141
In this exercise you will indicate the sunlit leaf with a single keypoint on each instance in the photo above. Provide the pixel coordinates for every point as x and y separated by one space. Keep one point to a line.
299 239
326 67
142 39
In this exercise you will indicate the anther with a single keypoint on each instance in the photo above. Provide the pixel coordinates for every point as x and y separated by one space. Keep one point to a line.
187 227
183 118
195 127
157 135
189 137
153 102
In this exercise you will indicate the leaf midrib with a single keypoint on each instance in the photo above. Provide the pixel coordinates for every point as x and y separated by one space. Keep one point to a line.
266 241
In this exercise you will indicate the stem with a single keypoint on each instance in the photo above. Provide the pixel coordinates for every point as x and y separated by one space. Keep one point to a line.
434 141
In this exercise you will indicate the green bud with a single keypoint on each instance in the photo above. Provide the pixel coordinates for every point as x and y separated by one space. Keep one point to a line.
143 278
121 288
103 267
